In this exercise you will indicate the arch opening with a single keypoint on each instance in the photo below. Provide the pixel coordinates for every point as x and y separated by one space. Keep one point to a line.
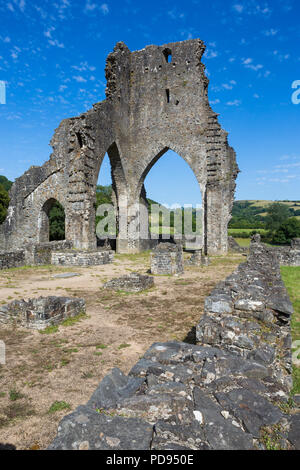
52 221
174 200
110 190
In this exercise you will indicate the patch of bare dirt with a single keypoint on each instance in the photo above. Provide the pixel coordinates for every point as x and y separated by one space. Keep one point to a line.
67 365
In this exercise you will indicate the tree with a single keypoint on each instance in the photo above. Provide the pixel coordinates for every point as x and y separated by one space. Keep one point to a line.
4 202
5 183
57 222
276 214
287 231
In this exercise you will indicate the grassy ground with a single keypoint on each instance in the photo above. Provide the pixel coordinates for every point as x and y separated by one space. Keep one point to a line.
291 278
233 231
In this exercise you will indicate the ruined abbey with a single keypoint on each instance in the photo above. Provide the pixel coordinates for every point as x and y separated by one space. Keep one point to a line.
156 99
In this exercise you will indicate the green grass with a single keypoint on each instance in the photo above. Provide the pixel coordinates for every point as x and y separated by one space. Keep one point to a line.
243 242
124 345
49 330
15 395
291 279
72 320
58 406
233 231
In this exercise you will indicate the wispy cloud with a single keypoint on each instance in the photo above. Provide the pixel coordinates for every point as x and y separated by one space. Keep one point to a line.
248 63
270 32
90 7
234 103
252 7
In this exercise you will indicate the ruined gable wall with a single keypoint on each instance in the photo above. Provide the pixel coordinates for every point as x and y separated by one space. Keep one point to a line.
151 105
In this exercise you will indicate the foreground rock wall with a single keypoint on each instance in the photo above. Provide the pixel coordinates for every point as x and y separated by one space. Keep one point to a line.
223 394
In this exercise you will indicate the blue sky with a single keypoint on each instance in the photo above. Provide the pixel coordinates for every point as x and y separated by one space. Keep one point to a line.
52 58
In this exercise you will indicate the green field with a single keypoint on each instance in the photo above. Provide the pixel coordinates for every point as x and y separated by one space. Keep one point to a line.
291 279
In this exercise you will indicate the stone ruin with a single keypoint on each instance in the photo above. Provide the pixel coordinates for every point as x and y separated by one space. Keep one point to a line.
234 246
231 390
156 100
39 313
133 282
167 258
82 258
198 259
289 255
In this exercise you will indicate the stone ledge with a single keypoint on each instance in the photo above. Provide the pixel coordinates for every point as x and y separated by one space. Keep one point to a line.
41 312
82 258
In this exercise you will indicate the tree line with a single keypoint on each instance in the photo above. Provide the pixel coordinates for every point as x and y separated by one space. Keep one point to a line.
279 221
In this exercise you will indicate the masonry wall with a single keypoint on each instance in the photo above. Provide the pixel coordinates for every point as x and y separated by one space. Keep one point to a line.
231 391
152 105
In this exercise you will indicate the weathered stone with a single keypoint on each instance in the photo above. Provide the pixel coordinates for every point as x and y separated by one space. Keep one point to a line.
221 395
82 258
294 432
167 258
114 388
41 312
151 105
252 410
133 282
86 429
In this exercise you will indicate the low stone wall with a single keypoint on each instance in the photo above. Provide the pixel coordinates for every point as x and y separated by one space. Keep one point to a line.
40 254
198 259
12 259
167 258
289 255
32 255
133 282
82 258
41 312
229 392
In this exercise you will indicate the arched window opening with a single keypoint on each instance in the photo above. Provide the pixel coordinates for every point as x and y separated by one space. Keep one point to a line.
168 95
79 138
174 200
168 55
52 226
110 188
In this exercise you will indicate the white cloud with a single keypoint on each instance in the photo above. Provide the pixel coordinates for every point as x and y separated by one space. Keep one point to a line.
210 53
248 63
104 8
271 32
238 8
56 43
90 7
79 79
252 7
234 103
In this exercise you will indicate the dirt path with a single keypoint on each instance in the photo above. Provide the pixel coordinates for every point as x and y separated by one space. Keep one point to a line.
67 365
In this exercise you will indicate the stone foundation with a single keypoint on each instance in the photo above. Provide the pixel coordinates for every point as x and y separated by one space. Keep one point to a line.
82 258
40 254
134 282
198 259
289 255
12 259
167 258
231 392
41 312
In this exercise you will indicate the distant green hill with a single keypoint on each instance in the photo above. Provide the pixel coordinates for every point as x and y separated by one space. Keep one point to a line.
250 214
